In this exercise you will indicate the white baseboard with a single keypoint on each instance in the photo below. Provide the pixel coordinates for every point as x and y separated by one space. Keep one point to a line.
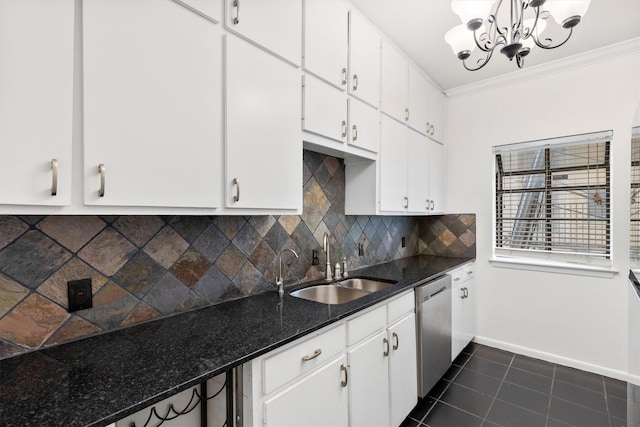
554 358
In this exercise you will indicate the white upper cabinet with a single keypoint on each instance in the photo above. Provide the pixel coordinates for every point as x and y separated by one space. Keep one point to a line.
418 173
209 8
364 59
418 100
326 36
436 114
276 25
364 126
36 101
394 82
263 132
152 105
393 165
325 109
436 177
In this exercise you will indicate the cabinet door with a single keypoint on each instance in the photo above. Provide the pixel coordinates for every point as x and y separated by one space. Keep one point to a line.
36 101
418 173
275 25
326 37
393 165
436 113
264 136
469 311
325 109
418 100
394 82
364 59
436 177
318 400
457 320
369 382
364 126
210 8
152 104
403 371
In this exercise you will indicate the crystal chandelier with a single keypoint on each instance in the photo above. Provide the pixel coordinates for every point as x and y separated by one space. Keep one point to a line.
516 28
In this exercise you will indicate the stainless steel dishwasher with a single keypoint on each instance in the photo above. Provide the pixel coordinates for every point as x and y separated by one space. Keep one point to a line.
433 309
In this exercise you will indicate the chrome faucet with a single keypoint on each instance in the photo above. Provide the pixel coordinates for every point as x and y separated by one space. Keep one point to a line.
325 247
279 278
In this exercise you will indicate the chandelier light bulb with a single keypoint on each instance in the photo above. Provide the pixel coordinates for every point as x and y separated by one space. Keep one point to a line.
460 40
567 12
472 12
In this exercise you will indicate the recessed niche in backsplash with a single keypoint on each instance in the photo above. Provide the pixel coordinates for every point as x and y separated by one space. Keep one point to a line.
146 267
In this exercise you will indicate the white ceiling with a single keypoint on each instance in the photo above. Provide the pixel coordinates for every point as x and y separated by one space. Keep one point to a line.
418 28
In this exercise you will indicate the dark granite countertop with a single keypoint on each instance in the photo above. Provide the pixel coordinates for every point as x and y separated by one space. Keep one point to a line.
99 380
634 281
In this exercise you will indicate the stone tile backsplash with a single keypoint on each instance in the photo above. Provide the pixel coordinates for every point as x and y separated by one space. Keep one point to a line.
146 267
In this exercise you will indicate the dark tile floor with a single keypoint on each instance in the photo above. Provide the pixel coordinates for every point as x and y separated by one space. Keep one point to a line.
491 387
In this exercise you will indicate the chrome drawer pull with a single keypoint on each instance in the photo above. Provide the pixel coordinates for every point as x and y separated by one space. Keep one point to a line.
54 177
101 171
317 352
345 381
236 4
397 344
236 182
386 346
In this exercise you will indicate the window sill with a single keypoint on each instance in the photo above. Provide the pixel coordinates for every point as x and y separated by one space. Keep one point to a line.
554 267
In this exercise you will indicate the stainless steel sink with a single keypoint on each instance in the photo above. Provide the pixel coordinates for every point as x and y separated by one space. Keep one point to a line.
329 294
369 285
342 291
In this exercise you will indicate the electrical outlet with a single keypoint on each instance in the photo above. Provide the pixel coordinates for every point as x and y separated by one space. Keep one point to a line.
360 249
314 257
404 242
79 294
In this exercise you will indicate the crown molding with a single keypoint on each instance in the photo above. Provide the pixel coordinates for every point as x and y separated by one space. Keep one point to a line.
628 47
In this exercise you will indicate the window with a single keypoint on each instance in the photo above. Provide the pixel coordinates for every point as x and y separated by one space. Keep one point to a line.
635 193
553 200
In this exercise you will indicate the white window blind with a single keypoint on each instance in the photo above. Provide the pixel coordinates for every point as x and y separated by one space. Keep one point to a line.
553 199
635 193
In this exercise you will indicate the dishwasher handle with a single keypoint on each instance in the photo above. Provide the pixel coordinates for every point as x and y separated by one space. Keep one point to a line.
442 289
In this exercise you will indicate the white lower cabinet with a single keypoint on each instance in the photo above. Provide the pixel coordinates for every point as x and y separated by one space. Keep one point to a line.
359 372
403 375
318 400
463 308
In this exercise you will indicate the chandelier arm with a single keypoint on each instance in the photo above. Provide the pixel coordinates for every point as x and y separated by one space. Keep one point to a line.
482 62
550 46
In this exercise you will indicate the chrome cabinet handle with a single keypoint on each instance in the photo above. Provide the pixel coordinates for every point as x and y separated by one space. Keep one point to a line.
406 202
236 182
386 346
102 172
428 204
344 128
355 133
462 293
345 381
355 82
317 352
428 127
397 343
236 19
54 177
466 292
432 205
433 130
344 76
406 114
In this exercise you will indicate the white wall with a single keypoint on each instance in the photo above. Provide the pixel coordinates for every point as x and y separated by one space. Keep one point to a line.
576 321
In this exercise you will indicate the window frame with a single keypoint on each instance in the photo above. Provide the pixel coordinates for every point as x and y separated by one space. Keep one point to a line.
571 262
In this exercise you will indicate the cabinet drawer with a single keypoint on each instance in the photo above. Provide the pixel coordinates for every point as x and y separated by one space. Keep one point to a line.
366 324
288 364
468 272
400 306
456 277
